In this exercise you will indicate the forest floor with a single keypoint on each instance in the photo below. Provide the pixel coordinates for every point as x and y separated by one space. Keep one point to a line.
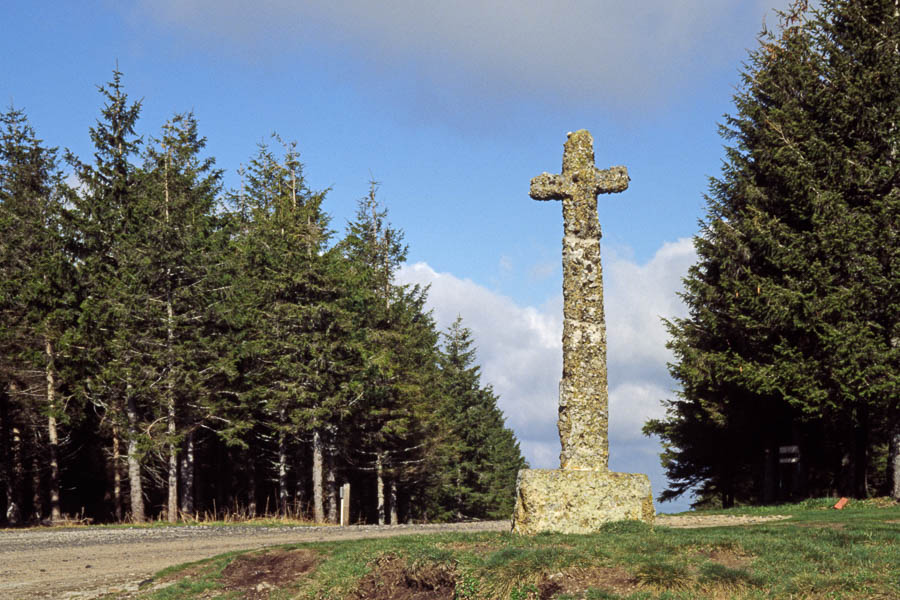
90 562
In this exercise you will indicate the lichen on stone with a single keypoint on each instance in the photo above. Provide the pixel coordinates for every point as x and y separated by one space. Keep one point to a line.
583 405
583 391
579 501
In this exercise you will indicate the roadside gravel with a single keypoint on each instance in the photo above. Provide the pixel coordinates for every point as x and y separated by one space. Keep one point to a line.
85 563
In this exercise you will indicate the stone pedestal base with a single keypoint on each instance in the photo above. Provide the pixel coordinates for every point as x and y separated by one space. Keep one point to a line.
579 501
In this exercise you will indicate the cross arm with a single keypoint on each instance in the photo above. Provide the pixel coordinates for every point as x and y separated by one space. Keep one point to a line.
609 181
550 187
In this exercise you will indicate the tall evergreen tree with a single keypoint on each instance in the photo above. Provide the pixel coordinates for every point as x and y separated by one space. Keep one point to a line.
288 314
180 243
238 342
480 457
791 338
110 215
397 341
38 292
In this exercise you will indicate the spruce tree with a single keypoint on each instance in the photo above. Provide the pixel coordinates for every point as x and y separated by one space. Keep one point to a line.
287 314
38 289
180 242
791 338
109 216
397 340
480 457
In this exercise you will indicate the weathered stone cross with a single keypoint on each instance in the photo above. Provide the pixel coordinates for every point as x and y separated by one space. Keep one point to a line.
583 494
583 395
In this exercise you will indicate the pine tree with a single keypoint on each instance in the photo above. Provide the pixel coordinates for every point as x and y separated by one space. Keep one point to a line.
791 337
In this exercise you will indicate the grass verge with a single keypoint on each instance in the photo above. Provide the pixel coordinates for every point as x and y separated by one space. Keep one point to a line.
817 553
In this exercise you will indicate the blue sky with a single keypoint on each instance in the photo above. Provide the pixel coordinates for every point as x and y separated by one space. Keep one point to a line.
453 107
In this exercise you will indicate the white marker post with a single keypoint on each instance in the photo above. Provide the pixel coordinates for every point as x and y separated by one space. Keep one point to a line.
345 505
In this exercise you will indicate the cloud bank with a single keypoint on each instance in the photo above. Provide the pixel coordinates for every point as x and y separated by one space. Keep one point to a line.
520 351
609 51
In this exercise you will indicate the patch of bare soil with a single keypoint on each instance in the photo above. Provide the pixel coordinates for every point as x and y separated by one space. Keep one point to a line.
255 575
392 579
729 558
575 582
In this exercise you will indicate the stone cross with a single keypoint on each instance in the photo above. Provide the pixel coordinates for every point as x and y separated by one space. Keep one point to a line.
583 396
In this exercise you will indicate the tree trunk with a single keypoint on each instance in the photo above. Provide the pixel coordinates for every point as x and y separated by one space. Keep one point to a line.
52 434
727 491
171 428
412 510
727 500
331 484
5 449
379 485
459 500
317 476
187 475
219 481
894 464
12 461
37 501
282 467
251 487
800 479
134 463
232 481
172 505
845 484
395 519
861 455
117 475
301 508
770 472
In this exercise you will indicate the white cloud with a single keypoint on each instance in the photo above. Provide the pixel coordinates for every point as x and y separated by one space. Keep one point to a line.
636 298
519 348
520 351
541 455
606 51
630 405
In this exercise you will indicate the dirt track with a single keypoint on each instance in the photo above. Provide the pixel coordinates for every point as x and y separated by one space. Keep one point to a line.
85 563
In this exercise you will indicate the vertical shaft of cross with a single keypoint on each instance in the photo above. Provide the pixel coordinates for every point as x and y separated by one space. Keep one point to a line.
583 391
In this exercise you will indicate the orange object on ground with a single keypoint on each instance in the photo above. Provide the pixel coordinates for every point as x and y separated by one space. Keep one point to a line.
842 503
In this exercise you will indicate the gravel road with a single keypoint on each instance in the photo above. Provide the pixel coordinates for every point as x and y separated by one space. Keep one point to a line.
83 563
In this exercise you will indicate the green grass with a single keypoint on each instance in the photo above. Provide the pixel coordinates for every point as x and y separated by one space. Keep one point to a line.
822 504
817 553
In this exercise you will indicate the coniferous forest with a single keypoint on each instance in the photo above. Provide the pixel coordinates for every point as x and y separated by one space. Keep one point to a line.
789 360
169 348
